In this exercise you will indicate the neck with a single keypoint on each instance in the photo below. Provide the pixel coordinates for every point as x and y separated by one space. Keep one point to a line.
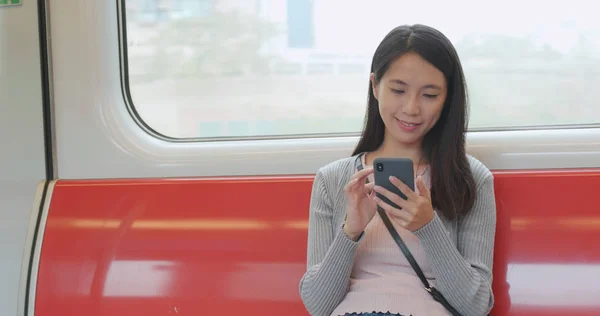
390 148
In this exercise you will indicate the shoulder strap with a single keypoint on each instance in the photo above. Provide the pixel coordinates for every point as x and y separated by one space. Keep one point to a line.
396 236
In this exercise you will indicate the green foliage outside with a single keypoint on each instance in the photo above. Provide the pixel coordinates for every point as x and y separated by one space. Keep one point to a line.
220 44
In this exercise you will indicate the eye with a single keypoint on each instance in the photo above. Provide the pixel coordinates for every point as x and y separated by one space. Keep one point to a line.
431 96
397 91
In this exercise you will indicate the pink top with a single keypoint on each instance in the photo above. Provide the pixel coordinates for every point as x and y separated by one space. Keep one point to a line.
382 280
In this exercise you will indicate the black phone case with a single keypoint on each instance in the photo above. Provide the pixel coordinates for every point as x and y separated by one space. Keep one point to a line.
401 168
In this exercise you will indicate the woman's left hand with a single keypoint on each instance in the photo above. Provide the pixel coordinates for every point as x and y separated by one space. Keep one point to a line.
415 212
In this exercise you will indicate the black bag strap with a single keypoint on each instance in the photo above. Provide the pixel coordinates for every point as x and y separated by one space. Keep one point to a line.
409 257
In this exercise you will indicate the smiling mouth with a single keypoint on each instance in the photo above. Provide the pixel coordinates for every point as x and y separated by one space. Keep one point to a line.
407 124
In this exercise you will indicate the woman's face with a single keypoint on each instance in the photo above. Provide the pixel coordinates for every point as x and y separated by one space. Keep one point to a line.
411 95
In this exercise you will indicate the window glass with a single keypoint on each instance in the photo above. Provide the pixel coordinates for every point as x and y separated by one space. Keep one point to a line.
248 68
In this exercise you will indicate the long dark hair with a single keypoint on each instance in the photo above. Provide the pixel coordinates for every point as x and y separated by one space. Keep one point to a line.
452 183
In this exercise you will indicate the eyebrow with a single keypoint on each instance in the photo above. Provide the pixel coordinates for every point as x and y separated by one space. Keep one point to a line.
431 85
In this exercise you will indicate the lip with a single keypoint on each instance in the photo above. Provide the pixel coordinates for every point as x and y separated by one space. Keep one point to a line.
407 126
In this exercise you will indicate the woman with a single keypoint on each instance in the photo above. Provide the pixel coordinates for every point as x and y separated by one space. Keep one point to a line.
417 109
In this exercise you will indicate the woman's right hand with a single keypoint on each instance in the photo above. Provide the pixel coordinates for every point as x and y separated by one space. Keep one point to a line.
361 207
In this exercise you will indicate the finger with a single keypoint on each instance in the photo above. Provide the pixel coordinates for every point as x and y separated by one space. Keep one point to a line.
368 189
357 184
350 185
363 173
423 191
410 194
399 215
391 196
385 206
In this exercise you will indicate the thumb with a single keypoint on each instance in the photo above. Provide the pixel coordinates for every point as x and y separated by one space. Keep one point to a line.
369 192
423 191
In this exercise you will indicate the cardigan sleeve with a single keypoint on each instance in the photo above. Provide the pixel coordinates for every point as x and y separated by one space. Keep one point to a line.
330 254
464 272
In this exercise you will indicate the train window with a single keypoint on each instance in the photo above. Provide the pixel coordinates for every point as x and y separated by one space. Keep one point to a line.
251 68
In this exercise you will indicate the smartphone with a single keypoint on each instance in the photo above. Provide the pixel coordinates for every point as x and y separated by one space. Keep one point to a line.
401 168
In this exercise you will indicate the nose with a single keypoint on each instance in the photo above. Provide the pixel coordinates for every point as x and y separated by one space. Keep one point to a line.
411 107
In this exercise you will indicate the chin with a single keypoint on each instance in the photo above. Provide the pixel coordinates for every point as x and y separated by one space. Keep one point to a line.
409 140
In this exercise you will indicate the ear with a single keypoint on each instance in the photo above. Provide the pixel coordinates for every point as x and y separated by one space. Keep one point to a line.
374 86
